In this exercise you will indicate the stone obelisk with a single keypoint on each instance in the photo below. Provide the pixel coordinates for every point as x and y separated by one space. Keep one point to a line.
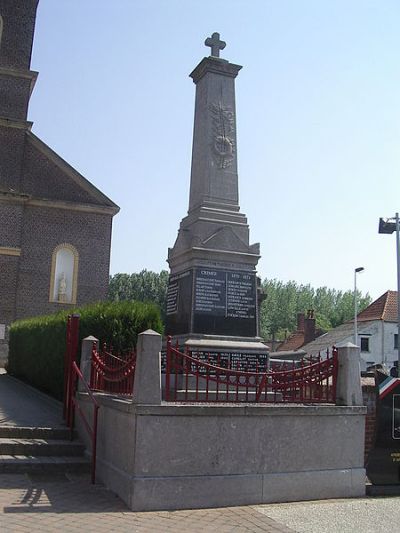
212 293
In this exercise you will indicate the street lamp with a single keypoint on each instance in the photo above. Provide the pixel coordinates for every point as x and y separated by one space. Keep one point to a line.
389 226
356 271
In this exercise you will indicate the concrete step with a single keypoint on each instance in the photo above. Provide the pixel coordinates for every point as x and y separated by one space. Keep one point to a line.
23 464
18 432
42 447
42 450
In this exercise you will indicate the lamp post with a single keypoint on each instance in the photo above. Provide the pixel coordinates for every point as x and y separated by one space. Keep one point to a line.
391 225
356 271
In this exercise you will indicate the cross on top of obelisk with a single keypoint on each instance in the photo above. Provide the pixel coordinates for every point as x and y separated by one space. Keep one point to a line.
215 44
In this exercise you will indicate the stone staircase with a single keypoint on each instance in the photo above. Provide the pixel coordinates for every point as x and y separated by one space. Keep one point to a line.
37 449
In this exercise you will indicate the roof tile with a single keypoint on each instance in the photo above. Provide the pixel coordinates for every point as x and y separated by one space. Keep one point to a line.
293 342
384 308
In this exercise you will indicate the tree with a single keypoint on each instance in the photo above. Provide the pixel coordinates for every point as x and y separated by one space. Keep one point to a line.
145 286
284 300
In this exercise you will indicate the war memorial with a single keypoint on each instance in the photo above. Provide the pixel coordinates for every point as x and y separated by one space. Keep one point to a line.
161 445
212 300
162 451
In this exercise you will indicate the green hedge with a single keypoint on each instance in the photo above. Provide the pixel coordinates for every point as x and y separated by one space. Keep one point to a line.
37 345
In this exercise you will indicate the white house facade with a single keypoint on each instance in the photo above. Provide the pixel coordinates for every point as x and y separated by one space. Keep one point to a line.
377 333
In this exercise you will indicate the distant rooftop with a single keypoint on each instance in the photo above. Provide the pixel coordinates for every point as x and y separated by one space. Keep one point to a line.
384 308
293 342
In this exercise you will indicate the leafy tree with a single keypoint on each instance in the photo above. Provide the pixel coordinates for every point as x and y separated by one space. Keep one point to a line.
145 286
284 300
278 311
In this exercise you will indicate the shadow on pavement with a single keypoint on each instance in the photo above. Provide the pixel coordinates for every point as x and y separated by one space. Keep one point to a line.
56 493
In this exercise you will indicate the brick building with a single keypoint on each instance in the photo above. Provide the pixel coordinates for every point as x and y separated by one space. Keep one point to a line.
55 226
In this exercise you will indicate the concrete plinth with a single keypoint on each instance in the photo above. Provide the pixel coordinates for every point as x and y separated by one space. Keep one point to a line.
193 456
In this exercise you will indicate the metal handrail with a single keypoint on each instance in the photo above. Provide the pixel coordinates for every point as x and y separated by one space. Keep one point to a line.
314 383
114 378
92 431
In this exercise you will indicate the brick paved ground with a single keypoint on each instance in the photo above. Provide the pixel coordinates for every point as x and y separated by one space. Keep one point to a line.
54 502
47 504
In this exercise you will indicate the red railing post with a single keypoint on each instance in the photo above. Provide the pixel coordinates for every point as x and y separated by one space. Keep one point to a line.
77 374
66 368
72 340
168 368
94 443
335 364
71 384
92 383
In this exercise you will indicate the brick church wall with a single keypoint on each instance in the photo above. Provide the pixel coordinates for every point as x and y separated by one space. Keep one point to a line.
8 285
10 217
19 23
12 141
44 179
46 228
44 202
14 97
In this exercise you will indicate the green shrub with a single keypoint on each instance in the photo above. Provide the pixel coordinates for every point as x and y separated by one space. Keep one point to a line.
37 345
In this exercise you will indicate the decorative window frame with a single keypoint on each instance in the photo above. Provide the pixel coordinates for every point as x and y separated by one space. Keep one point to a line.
71 248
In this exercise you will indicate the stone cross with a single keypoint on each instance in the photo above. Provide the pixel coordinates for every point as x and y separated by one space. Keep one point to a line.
215 44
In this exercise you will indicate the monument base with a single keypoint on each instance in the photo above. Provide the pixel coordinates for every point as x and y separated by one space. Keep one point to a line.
199 456
239 353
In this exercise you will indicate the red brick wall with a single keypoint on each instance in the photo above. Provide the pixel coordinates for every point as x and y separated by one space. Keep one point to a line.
369 400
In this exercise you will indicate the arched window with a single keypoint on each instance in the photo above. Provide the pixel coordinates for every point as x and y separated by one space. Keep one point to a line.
64 274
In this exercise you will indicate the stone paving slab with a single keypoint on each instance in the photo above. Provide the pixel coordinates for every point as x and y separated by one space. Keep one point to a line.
361 515
71 504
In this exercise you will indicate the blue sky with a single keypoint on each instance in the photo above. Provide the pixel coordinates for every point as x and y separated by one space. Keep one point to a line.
318 120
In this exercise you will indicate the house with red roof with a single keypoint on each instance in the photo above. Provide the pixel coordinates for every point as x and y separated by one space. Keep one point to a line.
377 333
305 333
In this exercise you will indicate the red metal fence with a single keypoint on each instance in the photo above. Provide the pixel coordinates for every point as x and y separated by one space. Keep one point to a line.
71 350
111 373
75 407
188 379
72 375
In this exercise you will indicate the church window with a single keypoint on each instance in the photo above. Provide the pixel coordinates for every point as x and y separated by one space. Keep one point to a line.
64 274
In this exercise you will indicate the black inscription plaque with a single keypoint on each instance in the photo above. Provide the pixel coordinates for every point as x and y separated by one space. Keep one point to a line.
242 361
224 302
210 292
179 298
383 465
212 301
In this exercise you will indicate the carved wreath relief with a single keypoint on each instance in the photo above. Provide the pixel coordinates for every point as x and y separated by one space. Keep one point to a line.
223 121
